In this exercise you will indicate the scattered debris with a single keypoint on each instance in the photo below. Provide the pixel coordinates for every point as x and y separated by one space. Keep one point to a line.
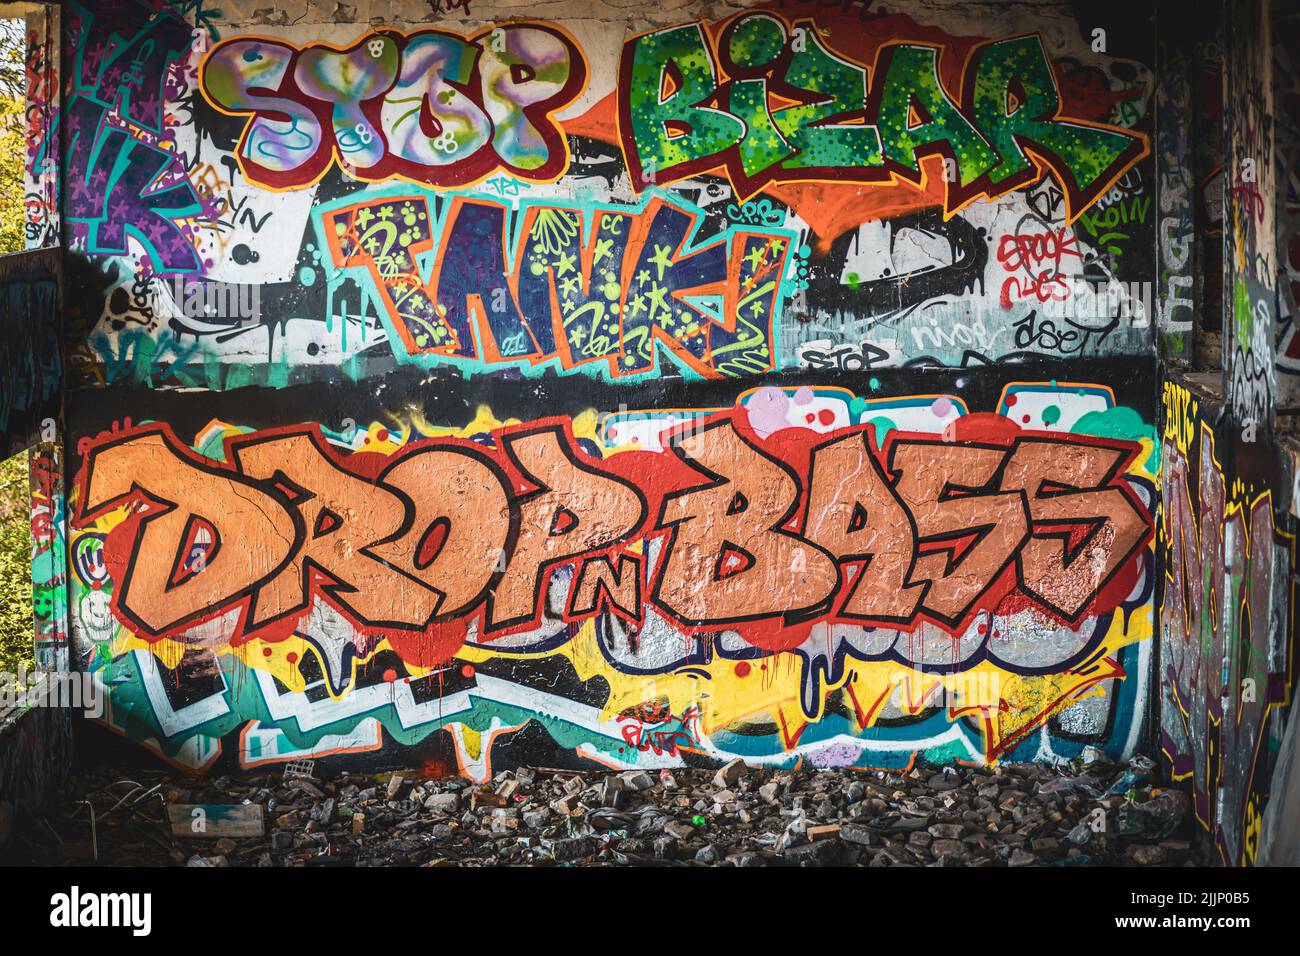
1074 814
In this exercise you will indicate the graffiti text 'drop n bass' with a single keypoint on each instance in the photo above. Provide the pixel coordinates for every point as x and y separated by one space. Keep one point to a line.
724 529
765 99
429 106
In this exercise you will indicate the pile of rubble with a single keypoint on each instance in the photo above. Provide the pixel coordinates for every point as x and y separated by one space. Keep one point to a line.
1087 812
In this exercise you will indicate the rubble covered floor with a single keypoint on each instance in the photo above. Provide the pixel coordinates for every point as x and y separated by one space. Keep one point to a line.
1016 815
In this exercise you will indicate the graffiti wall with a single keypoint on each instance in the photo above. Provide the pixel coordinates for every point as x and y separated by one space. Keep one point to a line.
1250 214
41 30
1285 36
1189 161
555 198
467 388
1226 646
806 572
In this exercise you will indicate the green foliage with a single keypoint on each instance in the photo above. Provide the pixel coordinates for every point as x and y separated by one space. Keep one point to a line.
13 153
16 624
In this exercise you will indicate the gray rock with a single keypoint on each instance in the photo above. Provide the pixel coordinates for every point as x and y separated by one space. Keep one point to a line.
729 774
679 830
948 831
856 833
447 803
708 854
535 818
947 848
821 853
638 780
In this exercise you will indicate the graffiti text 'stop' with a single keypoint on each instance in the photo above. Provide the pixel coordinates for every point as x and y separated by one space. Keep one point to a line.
430 106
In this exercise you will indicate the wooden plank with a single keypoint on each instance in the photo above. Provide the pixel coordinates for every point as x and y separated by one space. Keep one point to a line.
824 832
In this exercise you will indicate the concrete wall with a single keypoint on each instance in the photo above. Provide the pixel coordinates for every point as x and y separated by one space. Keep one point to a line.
35 755
624 385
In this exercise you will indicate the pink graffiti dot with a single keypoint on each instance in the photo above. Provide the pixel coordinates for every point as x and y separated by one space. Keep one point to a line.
941 407
767 410
803 396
